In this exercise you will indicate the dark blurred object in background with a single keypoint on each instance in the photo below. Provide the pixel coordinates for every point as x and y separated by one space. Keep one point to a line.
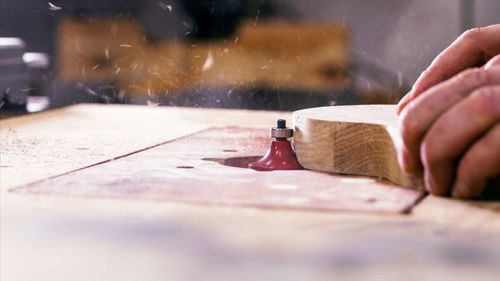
23 77
13 75
215 18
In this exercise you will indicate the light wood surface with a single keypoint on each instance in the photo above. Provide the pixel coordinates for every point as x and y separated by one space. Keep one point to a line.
34 147
211 167
465 214
355 140
78 237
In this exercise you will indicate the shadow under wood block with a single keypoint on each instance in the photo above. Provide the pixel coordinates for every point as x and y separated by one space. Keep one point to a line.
207 168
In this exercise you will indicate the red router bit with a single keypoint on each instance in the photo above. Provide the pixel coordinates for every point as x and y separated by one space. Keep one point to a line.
281 155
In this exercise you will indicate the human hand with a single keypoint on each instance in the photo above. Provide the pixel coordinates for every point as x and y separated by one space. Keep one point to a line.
450 121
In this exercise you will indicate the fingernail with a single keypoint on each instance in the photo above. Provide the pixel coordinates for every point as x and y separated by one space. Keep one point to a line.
402 103
432 185
399 107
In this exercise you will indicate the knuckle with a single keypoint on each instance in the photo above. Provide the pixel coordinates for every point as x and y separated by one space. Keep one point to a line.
493 62
431 71
486 100
425 72
472 34
495 59
421 80
475 76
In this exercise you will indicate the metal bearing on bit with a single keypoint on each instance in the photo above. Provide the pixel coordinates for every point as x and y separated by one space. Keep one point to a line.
281 130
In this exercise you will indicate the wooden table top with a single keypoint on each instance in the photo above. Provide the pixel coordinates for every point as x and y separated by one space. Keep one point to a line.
78 203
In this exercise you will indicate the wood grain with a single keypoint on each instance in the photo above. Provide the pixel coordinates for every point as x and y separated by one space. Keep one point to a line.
38 146
211 167
356 140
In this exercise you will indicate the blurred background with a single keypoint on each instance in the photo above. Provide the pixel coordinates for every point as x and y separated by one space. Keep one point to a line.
253 54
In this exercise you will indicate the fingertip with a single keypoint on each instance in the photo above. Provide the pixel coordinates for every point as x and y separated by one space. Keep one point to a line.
408 161
432 185
407 166
459 190
403 159
462 190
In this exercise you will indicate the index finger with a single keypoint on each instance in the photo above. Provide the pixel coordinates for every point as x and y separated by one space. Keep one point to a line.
473 48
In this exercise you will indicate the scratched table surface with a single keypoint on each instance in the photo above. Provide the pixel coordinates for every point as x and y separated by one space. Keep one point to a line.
114 192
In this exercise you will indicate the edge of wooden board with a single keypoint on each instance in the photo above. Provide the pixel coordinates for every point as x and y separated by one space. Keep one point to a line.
352 139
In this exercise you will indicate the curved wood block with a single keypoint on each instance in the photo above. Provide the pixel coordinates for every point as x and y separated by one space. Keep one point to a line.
354 139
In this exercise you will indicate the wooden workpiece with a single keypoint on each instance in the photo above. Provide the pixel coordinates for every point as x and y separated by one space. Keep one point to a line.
82 197
355 140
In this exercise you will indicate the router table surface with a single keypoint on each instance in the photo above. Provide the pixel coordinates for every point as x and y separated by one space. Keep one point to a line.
158 193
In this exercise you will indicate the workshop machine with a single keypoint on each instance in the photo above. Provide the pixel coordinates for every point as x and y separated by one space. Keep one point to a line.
21 76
